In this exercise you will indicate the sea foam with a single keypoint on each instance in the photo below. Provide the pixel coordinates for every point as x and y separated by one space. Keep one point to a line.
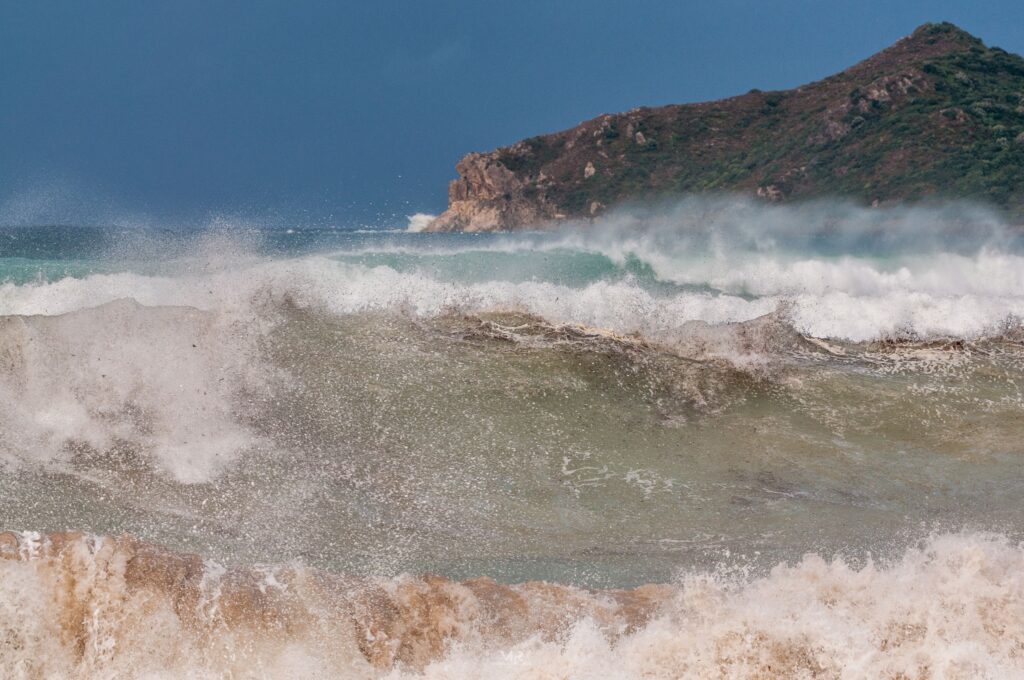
125 377
950 607
945 296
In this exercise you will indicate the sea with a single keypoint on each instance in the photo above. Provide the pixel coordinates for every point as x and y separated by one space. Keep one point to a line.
711 439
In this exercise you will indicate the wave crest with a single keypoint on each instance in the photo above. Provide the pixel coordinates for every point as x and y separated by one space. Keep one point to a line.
79 604
624 306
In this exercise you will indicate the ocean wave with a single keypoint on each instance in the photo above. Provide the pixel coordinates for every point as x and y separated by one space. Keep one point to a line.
180 377
419 222
188 391
74 605
834 309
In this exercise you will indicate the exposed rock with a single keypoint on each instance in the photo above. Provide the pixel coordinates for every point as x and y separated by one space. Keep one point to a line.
488 196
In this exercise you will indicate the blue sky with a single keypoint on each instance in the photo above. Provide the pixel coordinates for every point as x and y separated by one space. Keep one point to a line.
350 113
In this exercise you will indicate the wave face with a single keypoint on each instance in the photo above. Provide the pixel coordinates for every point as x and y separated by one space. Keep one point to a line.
764 411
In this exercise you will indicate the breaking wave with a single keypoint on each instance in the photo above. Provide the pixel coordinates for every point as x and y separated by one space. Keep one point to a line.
122 377
947 297
83 606
741 406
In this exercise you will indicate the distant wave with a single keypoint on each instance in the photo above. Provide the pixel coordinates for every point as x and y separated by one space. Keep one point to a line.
419 222
938 297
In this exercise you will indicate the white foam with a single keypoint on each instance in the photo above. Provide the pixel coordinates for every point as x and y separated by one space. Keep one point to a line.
955 296
419 222
158 381
949 610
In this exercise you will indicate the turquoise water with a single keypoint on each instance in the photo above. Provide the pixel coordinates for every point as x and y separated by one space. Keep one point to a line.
52 253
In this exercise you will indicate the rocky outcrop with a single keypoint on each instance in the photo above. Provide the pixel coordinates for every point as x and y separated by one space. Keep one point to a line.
488 196
937 114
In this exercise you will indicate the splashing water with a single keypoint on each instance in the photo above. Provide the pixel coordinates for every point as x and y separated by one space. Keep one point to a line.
696 397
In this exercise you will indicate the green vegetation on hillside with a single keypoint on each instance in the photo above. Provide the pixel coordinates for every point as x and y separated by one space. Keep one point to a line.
939 114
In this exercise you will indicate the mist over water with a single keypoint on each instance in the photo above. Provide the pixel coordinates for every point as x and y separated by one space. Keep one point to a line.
694 395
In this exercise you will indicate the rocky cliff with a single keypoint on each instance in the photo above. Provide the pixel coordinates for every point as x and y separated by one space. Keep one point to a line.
488 196
938 114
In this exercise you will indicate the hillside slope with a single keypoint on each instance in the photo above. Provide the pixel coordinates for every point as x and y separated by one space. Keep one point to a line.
938 114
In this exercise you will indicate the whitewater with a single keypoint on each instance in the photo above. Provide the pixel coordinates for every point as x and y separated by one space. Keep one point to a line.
705 439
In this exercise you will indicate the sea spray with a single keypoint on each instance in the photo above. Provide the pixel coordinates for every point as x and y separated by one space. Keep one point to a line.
949 607
761 412
122 377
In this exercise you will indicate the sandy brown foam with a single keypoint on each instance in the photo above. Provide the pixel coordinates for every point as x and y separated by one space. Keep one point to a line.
97 596
77 606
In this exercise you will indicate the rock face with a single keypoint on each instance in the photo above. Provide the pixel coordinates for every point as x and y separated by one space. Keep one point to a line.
937 114
488 196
